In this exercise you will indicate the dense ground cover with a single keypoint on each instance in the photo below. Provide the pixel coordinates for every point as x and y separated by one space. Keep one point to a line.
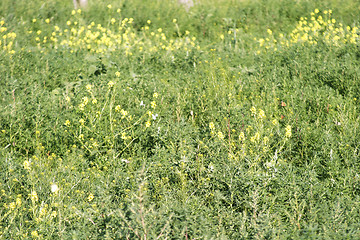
139 120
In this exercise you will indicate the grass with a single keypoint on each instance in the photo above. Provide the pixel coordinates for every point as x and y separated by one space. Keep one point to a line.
139 120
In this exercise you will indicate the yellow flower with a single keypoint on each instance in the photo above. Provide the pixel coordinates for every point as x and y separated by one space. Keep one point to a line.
253 110
67 123
109 6
153 104
155 95
211 126
85 100
148 124
42 211
47 20
18 201
12 206
27 165
242 136
257 136
82 121
34 234
288 131
88 87
117 108
34 196
90 197
261 114
220 135
123 136
53 214
117 74
111 84
123 112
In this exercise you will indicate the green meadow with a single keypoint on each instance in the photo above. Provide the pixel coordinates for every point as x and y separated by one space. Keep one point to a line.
138 119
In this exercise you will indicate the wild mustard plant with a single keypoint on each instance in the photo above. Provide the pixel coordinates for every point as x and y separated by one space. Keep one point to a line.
103 125
259 143
7 38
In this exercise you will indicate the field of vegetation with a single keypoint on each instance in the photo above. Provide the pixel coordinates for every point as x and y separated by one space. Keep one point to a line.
137 119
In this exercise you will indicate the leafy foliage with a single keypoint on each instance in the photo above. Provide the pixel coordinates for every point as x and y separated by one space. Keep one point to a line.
140 120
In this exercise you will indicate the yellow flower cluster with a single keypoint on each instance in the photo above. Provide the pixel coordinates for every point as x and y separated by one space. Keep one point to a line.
118 35
260 114
90 197
13 205
288 131
6 39
33 196
319 27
